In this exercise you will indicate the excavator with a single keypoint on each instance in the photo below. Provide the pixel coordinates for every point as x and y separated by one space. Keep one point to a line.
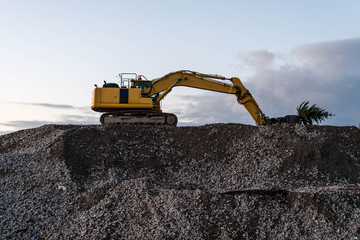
137 99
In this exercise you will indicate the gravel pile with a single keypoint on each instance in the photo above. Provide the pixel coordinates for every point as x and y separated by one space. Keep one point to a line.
221 181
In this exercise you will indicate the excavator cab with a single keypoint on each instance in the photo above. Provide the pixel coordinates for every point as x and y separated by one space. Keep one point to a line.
142 84
126 79
132 80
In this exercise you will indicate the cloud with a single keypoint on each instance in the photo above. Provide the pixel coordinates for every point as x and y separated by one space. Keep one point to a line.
39 115
257 59
25 124
63 120
323 73
79 119
340 55
49 105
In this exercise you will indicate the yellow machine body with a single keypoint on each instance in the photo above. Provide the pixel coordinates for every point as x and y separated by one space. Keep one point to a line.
116 99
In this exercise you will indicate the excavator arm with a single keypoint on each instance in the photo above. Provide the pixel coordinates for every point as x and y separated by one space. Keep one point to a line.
162 86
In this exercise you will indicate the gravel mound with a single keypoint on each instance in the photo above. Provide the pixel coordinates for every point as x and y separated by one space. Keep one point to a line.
221 181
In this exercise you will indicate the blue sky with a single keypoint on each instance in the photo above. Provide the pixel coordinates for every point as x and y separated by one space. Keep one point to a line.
285 52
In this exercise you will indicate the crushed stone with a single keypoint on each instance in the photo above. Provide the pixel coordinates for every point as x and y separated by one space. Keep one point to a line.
218 181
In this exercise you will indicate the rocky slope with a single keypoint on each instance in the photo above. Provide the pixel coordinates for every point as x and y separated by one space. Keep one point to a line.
223 181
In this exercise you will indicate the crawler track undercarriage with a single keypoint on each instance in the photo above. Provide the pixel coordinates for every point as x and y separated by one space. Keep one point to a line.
139 118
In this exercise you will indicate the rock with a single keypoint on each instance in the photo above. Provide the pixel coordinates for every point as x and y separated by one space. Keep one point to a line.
219 181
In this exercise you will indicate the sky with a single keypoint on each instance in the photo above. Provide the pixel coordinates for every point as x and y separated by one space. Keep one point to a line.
285 52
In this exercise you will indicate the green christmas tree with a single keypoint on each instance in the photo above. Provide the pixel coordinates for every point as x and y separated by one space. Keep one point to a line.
310 114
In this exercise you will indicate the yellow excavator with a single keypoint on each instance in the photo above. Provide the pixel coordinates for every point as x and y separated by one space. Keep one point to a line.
137 100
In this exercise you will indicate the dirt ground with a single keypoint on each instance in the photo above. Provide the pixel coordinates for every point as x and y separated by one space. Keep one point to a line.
219 181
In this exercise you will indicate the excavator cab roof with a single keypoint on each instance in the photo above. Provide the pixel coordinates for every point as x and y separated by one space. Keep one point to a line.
133 80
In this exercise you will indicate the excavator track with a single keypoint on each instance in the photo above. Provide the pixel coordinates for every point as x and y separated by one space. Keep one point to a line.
139 118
